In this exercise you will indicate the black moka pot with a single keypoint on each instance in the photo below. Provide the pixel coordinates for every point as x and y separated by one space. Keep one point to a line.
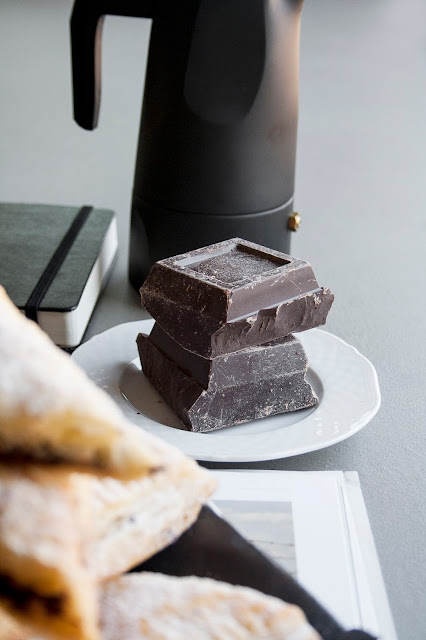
217 143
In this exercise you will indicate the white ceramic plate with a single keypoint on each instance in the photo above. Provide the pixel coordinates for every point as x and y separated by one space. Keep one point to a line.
344 380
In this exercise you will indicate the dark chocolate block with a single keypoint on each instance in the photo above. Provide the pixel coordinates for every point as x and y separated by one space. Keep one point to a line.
252 383
233 295
191 363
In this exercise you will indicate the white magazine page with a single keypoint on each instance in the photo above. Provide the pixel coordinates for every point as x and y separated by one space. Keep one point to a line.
375 610
298 519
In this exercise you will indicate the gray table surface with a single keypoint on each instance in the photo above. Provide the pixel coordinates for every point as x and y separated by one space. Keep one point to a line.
361 189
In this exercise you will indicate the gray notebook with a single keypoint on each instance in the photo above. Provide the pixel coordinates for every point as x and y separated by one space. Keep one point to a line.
30 235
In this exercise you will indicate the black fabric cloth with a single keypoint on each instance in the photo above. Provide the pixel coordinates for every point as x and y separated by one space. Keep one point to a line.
213 548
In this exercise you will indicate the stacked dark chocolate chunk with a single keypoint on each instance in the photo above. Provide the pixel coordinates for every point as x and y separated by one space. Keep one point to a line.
221 351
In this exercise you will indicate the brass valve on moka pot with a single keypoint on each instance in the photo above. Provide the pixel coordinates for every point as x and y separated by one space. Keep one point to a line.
217 142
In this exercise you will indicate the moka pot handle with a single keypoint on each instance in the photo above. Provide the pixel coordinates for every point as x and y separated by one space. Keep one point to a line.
86 35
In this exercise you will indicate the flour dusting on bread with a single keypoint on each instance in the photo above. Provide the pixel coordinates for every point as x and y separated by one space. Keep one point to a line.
50 410
149 606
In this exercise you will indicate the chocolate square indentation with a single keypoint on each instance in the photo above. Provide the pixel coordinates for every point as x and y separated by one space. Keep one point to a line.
237 264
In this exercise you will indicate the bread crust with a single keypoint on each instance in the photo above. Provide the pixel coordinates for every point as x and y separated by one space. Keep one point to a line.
147 606
42 578
63 529
134 519
50 410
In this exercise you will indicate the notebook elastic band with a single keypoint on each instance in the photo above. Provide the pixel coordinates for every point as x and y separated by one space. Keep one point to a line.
55 264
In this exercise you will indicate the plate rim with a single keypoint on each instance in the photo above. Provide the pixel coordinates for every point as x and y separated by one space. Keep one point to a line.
223 457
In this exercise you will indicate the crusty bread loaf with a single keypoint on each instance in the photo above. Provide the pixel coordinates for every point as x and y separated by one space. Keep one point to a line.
117 496
50 410
134 519
42 576
62 529
150 606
